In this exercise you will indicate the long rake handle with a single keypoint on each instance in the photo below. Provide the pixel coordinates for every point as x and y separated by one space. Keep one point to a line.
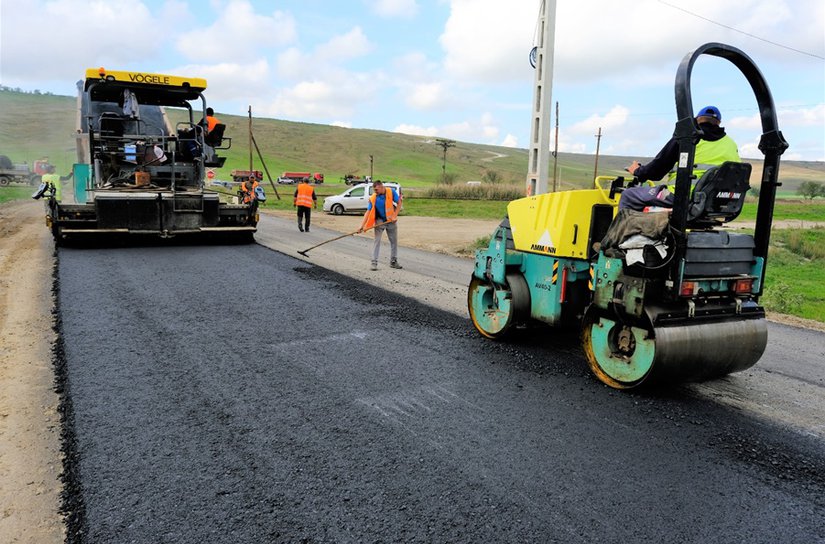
304 252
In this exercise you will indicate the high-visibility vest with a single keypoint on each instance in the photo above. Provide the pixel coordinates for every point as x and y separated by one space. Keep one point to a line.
210 123
58 185
709 154
248 192
388 208
304 197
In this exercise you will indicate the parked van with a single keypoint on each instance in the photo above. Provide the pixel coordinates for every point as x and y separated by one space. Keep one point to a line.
354 199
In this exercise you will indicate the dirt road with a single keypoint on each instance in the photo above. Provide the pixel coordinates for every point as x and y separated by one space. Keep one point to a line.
30 459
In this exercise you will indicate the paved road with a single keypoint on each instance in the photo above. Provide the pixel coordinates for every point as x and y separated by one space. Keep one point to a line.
237 394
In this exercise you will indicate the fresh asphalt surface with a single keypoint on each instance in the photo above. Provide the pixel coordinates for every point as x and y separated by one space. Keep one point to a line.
236 394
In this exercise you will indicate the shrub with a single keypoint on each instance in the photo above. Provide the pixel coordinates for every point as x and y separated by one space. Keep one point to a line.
779 297
448 178
811 189
491 176
475 192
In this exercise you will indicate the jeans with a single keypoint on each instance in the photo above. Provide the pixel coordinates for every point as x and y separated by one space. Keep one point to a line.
392 235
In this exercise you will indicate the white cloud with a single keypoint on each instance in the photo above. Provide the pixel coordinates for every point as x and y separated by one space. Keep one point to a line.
342 124
416 130
615 118
406 9
427 96
238 32
320 99
482 130
510 141
351 45
64 37
229 81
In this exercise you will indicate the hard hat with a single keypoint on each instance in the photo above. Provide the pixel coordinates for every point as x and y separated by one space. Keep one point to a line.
710 111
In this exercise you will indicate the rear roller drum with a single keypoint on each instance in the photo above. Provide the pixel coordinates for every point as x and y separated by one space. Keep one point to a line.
495 310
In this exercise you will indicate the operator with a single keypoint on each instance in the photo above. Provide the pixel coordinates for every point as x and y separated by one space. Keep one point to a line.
382 212
248 189
209 123
714 148
304 200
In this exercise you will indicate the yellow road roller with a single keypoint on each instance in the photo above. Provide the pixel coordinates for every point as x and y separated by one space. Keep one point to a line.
664 296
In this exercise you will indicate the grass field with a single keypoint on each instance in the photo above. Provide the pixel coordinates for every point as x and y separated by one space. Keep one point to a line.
801 210
795 282
13 192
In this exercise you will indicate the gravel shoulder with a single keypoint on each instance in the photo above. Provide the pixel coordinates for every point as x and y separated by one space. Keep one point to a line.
30 459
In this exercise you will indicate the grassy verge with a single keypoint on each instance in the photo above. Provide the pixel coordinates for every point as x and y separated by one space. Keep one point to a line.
795 282
804 211
15 193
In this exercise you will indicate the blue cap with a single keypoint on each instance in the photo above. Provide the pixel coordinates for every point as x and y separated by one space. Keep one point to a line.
710 111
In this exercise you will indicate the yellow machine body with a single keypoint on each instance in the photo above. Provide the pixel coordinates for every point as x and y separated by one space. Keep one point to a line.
556 224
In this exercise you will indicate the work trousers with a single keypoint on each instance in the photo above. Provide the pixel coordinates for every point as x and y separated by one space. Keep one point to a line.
392 236
304 212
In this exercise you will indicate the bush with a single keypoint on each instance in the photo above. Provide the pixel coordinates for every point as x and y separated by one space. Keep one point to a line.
811 189
779 297
475 192
447 178
491 176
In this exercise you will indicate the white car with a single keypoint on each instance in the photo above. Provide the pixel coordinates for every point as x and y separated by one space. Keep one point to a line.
354 199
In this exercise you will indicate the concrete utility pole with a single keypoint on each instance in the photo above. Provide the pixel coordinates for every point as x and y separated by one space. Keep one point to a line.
539 149
444 144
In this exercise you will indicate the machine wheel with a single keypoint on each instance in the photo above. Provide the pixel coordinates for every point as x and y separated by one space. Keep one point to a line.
620 354
35 180
4 181
337 209
495 311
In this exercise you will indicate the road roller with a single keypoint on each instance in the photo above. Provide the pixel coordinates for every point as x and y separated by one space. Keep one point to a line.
666 296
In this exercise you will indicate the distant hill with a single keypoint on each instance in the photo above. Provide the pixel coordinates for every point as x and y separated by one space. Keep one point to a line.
36 125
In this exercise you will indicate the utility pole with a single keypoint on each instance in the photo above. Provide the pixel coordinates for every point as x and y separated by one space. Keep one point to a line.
556 152
539 149
444 144
370 167
598 142
250 138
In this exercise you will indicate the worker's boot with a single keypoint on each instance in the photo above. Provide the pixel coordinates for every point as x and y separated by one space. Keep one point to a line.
374 265
300 227
394 264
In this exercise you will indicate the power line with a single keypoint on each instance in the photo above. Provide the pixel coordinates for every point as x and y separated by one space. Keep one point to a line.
741 31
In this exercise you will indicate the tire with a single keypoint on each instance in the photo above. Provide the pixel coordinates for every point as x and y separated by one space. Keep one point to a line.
4 181
337 209
35 180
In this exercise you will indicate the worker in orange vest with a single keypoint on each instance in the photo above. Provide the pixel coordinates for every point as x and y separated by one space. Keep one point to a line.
304 200
248 189
382 211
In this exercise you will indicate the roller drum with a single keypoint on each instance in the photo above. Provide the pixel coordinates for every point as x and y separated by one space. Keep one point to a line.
701 351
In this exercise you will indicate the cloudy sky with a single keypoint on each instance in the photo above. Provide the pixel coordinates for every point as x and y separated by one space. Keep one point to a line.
449 68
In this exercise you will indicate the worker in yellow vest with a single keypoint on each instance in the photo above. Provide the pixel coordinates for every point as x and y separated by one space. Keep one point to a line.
56 180
304 200
713 149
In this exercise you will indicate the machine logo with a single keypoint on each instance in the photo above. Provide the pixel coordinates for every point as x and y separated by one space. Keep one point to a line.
544 244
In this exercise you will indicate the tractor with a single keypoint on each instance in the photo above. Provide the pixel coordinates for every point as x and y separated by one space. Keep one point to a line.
679 304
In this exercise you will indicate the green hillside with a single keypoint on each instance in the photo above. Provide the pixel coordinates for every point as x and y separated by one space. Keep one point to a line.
36 125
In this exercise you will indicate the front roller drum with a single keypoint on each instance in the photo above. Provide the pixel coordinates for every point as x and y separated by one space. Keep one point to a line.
624 355
495 309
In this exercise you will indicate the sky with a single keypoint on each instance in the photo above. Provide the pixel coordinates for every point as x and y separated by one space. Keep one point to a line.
445 68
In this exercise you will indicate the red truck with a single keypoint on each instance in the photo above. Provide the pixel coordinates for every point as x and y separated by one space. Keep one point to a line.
316 177
21 173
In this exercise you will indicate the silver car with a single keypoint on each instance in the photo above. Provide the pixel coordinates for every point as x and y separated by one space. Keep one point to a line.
354 199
